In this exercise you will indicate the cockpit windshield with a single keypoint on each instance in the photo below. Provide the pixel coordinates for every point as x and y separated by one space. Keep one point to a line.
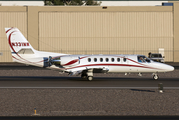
143 59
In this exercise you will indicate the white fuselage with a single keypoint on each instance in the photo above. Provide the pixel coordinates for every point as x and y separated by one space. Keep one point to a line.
114 63
131 64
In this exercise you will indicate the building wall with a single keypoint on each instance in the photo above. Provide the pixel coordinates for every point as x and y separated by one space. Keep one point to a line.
106 32
11 17
94 30
176 32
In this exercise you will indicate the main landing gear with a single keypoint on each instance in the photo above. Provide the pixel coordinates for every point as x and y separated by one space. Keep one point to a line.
87 75
90 78
84 76
155 76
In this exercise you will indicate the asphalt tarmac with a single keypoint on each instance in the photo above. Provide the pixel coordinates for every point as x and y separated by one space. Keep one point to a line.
77 82
25 67
20 67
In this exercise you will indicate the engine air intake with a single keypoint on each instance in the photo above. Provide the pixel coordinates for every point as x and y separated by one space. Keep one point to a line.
55 61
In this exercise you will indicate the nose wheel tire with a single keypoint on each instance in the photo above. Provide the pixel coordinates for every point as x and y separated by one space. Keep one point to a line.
155 77
90 78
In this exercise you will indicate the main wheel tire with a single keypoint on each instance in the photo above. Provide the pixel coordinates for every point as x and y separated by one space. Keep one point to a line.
90 78
155 77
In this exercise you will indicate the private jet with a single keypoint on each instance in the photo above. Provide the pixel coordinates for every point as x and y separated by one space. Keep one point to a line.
84 65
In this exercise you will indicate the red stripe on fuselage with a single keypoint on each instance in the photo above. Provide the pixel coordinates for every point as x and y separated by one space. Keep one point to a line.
127 65
84 57
71 62
74 61
9 40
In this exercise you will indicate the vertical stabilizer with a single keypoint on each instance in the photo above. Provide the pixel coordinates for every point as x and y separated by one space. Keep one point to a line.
23 52
17 42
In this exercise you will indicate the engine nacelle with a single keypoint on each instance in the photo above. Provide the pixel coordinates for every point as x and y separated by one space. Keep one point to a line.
55 61
65 61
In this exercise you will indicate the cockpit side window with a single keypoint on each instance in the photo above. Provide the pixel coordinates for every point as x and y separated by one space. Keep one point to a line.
140 59
143 59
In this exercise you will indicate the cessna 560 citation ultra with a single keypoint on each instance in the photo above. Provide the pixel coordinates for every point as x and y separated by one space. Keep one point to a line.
85 65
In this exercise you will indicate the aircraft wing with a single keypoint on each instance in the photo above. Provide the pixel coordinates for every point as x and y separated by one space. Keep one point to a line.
99 69
75 72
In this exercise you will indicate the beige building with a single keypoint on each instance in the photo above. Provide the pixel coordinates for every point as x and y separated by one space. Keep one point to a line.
95 30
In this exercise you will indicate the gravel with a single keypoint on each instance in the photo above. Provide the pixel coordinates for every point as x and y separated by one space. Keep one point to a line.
66 102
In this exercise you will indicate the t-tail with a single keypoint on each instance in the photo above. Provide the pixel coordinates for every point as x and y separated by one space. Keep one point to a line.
17 42
23 52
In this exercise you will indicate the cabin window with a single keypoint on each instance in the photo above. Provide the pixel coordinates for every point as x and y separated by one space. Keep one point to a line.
118 59
107 60
89 59
112 59
101 59
95 59
124 59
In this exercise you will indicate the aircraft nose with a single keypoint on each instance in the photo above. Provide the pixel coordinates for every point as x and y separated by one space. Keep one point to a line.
172 68
169 68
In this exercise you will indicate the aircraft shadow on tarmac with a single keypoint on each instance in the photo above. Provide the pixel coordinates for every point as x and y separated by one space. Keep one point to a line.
142 90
